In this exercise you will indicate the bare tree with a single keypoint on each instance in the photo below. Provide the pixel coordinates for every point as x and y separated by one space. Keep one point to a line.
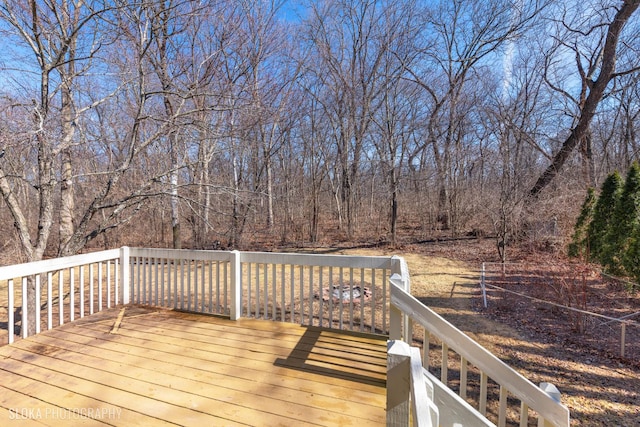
596 70
60 36
514 121
168 22
457 37
63 39
269 116
347 52
396 116
615 129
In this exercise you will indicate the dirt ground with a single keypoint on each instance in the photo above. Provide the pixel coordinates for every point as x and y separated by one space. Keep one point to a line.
598 388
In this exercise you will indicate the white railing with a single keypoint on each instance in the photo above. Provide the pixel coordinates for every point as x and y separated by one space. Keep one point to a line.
70 288
358 293
454 409
195 281
333 291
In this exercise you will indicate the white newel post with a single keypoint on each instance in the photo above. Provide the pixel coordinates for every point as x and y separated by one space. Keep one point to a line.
401 271
553 392
395 315
125 275
398 383
236 282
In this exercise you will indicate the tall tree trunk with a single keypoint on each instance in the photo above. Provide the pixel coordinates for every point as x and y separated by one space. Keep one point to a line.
67 197
394 207
442 212
204 197
235 208
315 213
588 165
67 204
269 172
175 201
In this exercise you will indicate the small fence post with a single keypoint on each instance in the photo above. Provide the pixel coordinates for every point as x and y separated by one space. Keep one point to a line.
483 287
623 333
236 283
125 275
38 303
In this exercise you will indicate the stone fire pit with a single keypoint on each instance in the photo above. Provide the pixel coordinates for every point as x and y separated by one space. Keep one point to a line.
345 293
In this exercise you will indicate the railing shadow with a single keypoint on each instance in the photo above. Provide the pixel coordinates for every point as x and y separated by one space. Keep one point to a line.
17 319
353 362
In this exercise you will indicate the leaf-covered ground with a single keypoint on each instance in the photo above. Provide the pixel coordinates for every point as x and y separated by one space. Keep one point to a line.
599 387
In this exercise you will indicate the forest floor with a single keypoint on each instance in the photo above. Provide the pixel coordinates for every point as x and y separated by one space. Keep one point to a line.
598 386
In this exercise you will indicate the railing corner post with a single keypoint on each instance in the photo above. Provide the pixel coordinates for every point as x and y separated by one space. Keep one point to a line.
399 267
398 383
125 276
395 321
236 282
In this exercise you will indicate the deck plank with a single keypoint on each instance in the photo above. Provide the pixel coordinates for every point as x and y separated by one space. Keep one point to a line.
169 367
265 349
230 353
19 408
155 360
289 333
59 402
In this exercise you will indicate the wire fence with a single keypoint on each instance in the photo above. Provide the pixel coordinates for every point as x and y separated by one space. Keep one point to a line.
574 302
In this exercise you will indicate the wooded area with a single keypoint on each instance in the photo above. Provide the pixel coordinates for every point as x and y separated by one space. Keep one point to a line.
228 123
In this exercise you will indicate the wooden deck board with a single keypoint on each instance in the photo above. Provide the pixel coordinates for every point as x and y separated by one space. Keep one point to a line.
179 368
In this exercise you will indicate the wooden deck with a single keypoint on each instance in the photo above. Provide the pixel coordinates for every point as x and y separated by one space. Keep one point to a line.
159 367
